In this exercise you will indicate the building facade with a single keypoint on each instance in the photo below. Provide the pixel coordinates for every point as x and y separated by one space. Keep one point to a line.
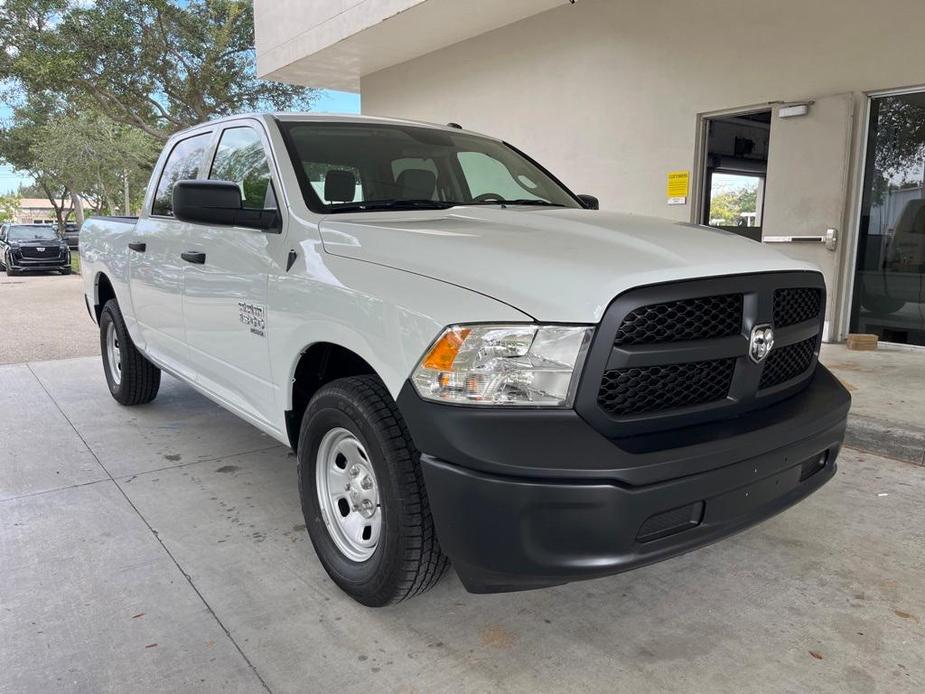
798 124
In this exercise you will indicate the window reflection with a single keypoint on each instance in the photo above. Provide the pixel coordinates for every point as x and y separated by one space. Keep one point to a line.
889 298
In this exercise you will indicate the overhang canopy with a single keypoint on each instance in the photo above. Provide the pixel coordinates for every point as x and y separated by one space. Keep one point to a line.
333 43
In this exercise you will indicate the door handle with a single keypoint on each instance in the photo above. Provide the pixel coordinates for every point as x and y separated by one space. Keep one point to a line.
138 247
194 257
830 239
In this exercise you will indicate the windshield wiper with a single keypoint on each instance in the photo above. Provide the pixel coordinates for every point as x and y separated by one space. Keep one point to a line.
391 204
518 201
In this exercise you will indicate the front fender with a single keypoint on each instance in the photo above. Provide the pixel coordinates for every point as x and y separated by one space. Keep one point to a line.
386 316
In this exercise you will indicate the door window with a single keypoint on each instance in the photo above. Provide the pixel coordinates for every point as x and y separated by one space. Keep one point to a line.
182 163
241 158
889 290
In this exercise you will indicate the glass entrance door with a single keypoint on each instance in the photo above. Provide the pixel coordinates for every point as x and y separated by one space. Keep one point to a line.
889 288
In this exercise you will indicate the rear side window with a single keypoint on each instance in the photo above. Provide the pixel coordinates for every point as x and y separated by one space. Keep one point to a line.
241 158
182 163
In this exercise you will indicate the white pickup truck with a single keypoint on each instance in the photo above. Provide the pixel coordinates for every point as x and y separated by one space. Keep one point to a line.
473 363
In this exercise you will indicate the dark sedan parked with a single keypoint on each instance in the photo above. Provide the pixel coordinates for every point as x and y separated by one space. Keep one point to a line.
33 247
72 235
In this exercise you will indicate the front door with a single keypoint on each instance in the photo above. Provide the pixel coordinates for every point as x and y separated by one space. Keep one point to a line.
225 296
154 260
807 187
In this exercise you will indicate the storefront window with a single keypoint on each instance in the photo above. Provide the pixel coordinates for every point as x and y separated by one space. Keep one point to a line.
889 296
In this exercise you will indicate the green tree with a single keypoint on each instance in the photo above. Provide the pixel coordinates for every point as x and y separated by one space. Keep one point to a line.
729 205
93 156
16 148
9 206
157 65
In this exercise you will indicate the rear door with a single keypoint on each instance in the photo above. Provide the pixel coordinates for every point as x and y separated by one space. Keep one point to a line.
155 266
225 296
807 188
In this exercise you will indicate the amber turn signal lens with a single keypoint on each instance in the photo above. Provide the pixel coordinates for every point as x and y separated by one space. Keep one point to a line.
443 353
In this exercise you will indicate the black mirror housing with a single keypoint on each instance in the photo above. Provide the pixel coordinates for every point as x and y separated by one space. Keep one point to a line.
590 202
219 202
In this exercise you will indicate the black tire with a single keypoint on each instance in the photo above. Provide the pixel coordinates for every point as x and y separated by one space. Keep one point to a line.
140 379
65 271
407 559
883 305
10 272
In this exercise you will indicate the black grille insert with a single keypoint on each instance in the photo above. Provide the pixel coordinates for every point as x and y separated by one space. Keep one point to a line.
784 363
50 251
640 390
687 319
795 305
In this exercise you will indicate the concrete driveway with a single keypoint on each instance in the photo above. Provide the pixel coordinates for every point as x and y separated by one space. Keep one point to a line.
162 549
43 316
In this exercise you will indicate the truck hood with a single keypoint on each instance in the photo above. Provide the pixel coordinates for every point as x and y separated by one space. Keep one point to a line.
555 264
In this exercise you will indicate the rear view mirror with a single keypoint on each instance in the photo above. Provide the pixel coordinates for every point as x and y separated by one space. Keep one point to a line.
219 202
590 202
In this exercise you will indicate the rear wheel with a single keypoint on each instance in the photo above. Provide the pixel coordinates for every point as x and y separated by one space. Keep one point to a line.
363 495
132 379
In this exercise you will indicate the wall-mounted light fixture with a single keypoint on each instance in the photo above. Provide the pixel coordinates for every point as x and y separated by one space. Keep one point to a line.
794 110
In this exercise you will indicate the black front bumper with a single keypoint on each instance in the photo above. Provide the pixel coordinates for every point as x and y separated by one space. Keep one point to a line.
40 264
525 499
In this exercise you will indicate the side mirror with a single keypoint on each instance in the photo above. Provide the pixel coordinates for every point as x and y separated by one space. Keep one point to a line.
219 202
590 202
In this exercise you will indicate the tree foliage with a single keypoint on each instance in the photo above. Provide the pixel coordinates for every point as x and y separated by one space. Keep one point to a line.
157 65
96 85
93 156
9 206
729 205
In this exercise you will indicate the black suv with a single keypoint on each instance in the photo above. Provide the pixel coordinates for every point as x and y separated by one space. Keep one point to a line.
33 247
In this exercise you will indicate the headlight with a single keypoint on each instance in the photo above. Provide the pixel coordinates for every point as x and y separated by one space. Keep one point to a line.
511 365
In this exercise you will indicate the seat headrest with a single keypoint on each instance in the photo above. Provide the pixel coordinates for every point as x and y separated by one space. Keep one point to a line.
416 184
339 186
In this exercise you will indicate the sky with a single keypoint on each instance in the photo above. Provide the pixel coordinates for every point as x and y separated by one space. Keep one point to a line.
330 101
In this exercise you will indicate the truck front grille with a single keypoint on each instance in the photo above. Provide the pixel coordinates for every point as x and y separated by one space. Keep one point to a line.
787 362
677 354
655 388
795 305
676 321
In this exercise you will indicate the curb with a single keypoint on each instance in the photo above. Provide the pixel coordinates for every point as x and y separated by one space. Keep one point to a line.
881 438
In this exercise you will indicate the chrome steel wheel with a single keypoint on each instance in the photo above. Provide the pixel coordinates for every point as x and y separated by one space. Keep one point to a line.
113 354
348 494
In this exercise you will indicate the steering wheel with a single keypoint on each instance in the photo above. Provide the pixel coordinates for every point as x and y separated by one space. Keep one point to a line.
487 197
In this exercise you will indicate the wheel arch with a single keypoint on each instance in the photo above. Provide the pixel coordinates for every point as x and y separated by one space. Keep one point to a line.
318 364
103 291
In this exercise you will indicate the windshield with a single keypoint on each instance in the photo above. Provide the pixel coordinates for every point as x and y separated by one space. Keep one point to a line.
23 232
369 166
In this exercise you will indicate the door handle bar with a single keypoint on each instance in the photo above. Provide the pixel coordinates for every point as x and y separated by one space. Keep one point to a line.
138 247
194 257
830 239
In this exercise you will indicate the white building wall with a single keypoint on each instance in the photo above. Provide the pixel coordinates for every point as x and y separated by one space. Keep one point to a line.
606 92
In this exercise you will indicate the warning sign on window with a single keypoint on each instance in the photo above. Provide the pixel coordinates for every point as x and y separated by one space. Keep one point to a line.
678 187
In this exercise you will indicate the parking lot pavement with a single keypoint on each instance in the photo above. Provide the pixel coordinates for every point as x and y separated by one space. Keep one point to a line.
44 317
181 563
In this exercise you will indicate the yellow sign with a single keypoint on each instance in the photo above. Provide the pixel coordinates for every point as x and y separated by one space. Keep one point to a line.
678 185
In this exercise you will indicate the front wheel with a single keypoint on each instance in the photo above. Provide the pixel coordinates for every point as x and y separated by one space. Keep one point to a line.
363 495
132 379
